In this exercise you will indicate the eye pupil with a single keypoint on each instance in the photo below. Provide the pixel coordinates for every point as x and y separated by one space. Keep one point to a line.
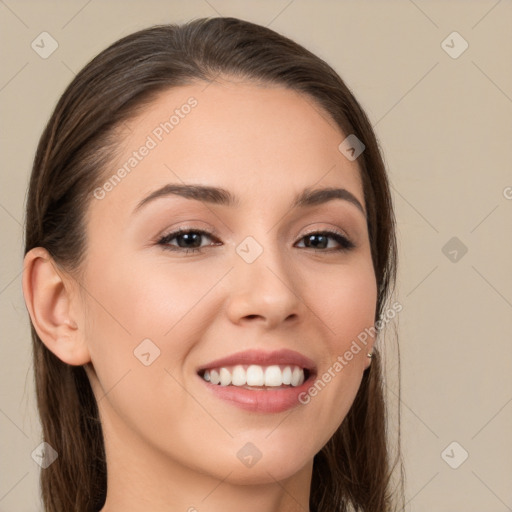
189 237
315 237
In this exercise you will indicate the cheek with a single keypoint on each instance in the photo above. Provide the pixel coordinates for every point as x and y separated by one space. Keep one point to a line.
150 313
345 301
137 300
140 331
357 300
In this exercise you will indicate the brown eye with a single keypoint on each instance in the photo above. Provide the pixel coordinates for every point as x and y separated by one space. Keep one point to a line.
320 240
189 240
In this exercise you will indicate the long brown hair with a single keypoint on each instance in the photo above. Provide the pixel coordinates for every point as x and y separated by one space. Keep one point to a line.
353 470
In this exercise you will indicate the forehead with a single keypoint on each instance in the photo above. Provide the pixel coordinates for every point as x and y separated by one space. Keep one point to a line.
262 142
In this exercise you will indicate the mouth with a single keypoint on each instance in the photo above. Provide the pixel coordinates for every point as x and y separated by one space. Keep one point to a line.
257 377
259 381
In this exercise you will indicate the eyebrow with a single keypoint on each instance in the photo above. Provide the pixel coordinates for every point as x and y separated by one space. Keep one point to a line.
223 197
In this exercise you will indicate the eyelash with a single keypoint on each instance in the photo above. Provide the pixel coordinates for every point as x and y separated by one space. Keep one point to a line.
345 243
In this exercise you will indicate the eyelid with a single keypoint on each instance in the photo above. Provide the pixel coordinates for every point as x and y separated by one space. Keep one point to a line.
327 230
173 233
208 230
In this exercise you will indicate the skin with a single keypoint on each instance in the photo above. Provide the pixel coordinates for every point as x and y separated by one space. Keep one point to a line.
170 444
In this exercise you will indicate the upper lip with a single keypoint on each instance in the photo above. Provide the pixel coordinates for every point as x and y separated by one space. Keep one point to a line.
259 357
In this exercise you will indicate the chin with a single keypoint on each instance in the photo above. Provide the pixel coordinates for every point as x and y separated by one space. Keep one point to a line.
252 467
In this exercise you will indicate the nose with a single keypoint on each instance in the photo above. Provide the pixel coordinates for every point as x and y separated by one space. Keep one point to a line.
265 290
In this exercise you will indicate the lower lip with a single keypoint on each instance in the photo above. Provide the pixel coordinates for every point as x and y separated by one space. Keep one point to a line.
267 400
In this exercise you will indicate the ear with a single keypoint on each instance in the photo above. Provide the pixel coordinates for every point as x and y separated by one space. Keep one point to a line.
54 308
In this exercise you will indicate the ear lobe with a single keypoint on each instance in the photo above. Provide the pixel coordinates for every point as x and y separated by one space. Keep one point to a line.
52 305
368 350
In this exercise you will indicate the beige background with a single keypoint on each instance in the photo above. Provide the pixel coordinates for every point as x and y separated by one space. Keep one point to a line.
445 128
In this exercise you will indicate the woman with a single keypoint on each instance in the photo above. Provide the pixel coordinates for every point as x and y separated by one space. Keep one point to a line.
210 242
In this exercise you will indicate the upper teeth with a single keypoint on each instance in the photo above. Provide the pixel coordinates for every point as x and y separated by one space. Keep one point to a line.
255 375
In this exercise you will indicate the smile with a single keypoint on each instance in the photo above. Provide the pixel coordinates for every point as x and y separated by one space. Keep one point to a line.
256 376
259 381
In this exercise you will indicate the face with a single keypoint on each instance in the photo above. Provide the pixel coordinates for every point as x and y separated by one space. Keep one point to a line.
292 284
